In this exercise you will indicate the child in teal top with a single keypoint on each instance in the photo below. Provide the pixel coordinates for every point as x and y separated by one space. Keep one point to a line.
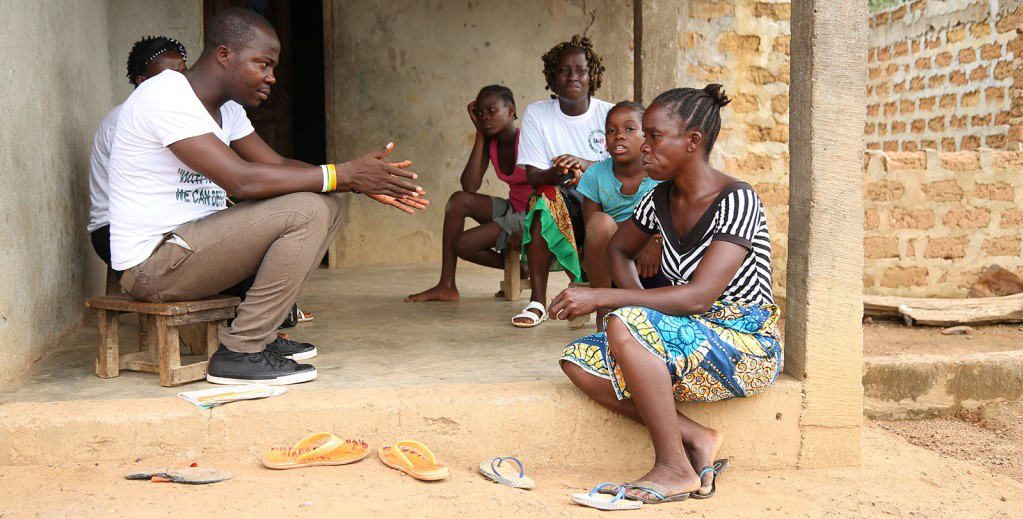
600 185
611 189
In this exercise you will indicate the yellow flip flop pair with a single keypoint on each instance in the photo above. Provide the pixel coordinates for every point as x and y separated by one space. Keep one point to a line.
325 449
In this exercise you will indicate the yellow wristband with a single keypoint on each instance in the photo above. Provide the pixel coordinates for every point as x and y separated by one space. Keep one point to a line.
332 177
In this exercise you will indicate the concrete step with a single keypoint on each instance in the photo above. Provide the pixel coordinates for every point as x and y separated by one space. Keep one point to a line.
547 421
916 386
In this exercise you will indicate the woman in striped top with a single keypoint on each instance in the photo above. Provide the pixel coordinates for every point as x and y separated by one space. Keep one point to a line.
711 336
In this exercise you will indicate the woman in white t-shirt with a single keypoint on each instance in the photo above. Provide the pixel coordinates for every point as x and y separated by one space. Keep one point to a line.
559 139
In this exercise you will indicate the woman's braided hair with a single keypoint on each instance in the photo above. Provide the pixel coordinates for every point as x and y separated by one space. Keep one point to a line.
146 50
697 108
501 91
579 42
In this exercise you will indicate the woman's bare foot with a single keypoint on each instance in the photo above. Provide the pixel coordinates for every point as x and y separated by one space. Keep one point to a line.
437 293
673 480
702 449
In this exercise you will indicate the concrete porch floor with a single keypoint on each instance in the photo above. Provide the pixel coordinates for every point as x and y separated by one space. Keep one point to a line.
367 336
458 376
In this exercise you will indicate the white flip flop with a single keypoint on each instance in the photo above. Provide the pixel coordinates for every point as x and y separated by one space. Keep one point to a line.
534 319
491 469
593 499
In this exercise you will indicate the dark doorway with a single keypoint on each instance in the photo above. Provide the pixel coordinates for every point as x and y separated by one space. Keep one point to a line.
293 120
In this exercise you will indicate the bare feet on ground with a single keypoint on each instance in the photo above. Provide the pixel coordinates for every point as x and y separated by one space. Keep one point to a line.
437 293
672 480
702 451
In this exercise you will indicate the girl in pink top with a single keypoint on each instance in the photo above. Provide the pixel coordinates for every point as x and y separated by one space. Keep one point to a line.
500 219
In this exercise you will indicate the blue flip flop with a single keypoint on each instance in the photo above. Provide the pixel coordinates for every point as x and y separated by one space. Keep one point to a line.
719 467
659 493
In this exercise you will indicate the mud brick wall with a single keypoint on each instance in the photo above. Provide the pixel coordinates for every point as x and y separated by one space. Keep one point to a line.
935 220
946 75
744 45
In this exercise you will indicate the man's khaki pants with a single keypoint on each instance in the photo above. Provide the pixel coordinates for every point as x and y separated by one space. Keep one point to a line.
281 240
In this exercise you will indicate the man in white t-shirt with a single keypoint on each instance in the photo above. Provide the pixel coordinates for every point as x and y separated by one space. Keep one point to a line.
148 57
183 143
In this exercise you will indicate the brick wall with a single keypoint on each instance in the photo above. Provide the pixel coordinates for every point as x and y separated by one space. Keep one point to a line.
946 75
744 45
935 220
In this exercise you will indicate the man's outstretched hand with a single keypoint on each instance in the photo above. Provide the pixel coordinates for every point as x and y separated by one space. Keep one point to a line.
408 205
405 204
369 174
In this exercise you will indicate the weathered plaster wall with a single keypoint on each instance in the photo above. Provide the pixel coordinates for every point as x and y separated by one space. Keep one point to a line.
130 20
62 67
405 71
53 97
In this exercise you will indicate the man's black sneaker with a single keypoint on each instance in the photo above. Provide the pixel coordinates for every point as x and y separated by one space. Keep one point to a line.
265 367
291 349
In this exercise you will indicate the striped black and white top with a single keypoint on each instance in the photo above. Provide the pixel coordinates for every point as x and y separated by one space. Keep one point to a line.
736 216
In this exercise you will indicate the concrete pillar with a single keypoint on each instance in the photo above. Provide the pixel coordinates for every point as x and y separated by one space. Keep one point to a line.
823 332
663 24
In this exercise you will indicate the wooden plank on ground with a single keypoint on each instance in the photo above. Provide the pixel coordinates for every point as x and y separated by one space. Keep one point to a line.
947 311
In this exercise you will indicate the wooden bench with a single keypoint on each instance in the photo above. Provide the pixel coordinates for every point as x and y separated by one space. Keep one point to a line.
159 348
512 284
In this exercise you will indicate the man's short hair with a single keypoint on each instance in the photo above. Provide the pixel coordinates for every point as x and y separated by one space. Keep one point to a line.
234 27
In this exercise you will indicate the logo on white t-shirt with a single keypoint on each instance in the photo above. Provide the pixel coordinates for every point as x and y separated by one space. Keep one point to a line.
207 194
597 142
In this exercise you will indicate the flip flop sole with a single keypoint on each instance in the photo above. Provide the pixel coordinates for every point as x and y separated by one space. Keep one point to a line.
287 466
650 488
524 483
604 503
526 325
421 476
187 475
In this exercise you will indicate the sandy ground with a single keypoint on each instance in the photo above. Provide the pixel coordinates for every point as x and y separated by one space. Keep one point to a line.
990 437
896 479
894 338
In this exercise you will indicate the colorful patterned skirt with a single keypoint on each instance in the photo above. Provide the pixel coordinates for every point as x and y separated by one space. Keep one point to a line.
731 351
560 211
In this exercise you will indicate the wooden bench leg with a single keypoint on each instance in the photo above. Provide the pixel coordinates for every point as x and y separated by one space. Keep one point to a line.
107 351
213 336
512 285
147 331
168 350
